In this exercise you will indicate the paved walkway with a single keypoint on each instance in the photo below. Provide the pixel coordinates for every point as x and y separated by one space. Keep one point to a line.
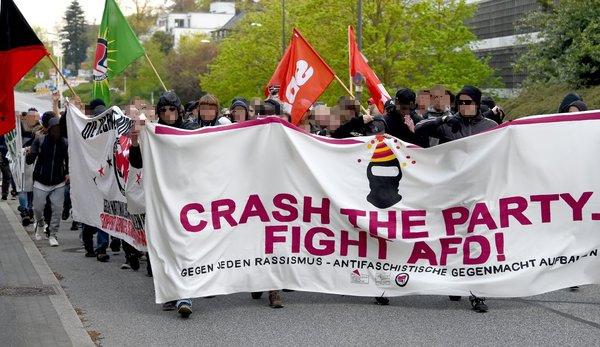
35 309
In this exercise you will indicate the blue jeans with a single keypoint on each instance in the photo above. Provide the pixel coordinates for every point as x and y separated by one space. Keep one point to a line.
25 202
184 301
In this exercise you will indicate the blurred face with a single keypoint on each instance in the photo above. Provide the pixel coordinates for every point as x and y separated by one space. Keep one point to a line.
31 118
207 113
424 100
239 114
467 106
440 99
54 131
403 109
251 113
169 114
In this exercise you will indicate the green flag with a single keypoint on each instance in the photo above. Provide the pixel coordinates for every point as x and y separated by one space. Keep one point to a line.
117 47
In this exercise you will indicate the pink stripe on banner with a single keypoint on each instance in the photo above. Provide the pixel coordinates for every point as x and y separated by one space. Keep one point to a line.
563 117
167 130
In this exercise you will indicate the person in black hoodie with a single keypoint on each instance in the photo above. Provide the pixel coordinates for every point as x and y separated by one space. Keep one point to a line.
50 175
466 122
401 118
170 112
572 102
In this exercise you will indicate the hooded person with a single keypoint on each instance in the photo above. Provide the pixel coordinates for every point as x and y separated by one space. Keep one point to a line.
401 117
170 113
490 110
239 111
466 122
572 102
50 175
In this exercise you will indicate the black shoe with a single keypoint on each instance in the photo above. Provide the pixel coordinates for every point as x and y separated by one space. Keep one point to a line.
478 304
102 257
134 262
90 254
65 214
4 196
74 226
30 213
381 300
148 269
169 306
454 298
256 295
115 245
287 290
14 193
25 221
574 288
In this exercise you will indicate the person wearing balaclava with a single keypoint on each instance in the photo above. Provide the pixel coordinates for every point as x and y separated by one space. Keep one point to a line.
170 113
466 122
572 102
50 175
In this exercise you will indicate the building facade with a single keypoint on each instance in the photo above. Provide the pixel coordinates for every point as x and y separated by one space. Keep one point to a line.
496 25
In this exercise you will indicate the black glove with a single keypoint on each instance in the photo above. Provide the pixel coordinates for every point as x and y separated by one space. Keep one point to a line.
454 122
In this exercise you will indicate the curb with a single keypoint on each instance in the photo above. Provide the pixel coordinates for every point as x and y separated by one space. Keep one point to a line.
68 317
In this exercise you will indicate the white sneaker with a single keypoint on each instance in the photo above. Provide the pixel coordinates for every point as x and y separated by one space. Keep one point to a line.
40 230
53 241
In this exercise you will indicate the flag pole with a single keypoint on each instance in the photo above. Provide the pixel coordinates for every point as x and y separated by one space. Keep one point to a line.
63 77
349 59
156 72
349 92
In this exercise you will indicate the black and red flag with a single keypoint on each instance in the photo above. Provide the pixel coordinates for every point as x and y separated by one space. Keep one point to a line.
20 50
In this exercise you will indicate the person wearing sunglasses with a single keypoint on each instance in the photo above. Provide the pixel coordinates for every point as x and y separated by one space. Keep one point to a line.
170 112
466 122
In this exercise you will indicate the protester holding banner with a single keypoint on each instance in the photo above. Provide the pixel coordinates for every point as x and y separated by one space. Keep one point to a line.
468 121
208 111
239 111
572 102
354 124
170 113
50 175
401 118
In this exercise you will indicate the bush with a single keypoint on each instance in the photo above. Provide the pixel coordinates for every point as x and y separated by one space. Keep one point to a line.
545 99
27 84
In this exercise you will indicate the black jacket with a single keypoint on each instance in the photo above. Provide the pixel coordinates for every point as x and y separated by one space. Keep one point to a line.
52 160
397 128
135 155
454 127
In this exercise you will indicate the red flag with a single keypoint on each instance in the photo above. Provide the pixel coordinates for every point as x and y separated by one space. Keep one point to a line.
358 64
302 76
20 50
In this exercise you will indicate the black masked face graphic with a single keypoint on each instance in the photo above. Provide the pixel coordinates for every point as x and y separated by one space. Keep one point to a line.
384 176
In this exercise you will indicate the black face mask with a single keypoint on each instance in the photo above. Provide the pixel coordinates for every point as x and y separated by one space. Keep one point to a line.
384 189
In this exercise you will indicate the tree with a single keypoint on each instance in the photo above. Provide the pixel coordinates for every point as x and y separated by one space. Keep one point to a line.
187 64
183 6
75 49
408 44
567 48
164 41
143 18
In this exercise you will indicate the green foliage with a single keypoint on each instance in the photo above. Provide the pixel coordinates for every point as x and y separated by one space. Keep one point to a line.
75 50
27 84
569 49
545 98
84 91
164 41
403 48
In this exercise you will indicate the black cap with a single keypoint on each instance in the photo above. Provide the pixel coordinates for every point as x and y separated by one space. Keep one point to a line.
272 105
95 103
406 96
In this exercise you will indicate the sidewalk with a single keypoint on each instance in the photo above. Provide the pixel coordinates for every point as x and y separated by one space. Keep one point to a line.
35 309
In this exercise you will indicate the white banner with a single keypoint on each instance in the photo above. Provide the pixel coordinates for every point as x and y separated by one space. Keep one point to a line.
15 154
99 172
262 205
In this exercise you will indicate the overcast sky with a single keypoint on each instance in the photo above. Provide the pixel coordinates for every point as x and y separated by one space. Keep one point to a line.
48 13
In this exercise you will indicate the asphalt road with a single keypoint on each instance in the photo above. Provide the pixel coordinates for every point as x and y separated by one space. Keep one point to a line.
119 305
23 101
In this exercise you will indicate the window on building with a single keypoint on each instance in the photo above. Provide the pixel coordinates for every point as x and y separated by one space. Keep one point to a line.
179 23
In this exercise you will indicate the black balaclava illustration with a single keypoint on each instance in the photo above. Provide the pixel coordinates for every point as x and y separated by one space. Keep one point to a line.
384 176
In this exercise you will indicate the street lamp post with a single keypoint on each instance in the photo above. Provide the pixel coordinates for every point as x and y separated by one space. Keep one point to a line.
282 27
359 43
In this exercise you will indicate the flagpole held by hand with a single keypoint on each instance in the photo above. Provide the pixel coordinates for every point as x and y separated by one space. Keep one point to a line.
156 72
61 75
349 92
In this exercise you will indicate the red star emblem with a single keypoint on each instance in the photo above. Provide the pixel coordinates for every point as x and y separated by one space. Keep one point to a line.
138 177
101 171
